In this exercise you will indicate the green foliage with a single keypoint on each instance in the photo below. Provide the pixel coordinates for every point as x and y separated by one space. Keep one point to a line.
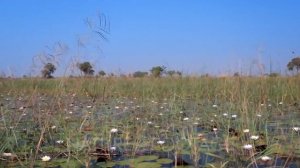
294 64
157 71
101 73
48 70
173 73
274 74
140 74
86 68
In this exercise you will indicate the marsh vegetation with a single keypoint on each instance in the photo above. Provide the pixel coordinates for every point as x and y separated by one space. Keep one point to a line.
150 122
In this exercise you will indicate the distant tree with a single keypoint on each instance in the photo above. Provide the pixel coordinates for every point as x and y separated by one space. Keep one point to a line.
48 70
173 73
236 74
86 68
294 64
140 74
101 73
157 71
274 74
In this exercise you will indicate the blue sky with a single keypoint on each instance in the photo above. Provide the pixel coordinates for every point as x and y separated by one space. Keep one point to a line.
193 36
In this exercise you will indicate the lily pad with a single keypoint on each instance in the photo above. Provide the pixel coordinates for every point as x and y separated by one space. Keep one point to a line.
149 165
164 161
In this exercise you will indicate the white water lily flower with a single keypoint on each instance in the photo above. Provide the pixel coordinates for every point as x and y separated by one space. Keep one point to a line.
262 104
70 112
234 116
247 146
46 158
214 106
296 129
137 118
114 130
53 127
160 114
113 148
149 122
185 119
160 142
180 112
117 107
225 114
88 106
7 154
215 129
196 123
265 158
246 130
280 103
254 137
156 126
60 141
258 115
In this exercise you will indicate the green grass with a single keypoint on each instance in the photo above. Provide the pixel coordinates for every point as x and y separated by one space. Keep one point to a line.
84 110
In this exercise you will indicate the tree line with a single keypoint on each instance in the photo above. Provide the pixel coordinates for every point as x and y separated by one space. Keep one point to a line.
87 69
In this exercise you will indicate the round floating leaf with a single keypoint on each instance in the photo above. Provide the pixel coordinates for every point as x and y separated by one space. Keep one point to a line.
147 158
149 165
164 161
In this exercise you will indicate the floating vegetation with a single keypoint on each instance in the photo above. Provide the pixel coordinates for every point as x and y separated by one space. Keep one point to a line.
170 122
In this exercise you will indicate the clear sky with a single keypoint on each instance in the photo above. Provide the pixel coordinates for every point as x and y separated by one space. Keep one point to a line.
193 36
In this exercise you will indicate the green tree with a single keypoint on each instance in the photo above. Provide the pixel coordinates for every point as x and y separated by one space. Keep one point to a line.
86 68
294 64
48 70
157 71
140 74
101 73
173 73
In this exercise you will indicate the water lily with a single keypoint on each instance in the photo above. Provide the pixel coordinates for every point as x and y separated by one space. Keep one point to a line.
234 116
114 130
265 158
247 146
280 103
180 112
7 154
88 106
254 137
117 107
214 106
258 115
46 158
225 114
59 141
113 148
160 142
246 130
160 114
296 129
185 119
149 122
53 127
215 129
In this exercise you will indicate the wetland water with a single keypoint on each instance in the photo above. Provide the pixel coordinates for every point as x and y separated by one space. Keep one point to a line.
127 132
